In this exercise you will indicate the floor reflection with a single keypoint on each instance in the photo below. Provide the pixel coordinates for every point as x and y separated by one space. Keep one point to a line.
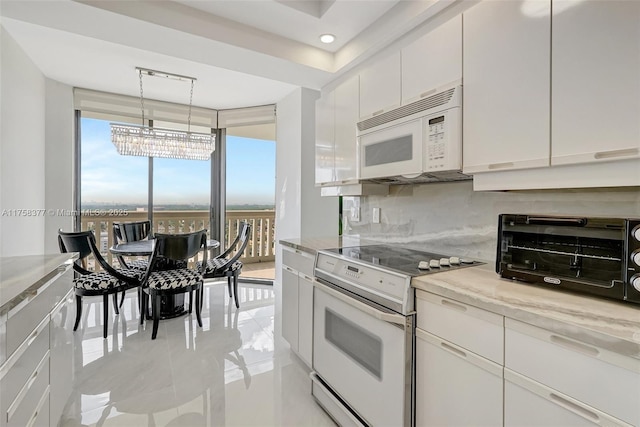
229 372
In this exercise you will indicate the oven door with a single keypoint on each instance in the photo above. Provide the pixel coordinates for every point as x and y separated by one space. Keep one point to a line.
392 151
364 355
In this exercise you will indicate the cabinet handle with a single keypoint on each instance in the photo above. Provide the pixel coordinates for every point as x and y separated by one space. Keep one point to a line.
629 152
453 350
573 407
505 165
453 305
572 345
289 269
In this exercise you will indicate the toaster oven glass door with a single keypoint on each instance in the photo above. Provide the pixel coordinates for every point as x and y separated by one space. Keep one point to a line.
590 256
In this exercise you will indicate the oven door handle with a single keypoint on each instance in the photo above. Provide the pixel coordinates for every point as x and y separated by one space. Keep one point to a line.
397 319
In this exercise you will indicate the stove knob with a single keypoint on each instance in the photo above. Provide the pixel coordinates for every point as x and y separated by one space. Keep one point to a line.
434 263
444 262
636 232
635 282
423 265
635 257
454 260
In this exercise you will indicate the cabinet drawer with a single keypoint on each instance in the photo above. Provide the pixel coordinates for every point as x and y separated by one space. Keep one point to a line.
600 378
469 327
301 261
19 369
449 378
24 409
528 403
23 319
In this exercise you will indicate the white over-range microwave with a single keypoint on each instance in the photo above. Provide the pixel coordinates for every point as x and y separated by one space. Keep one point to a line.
418 142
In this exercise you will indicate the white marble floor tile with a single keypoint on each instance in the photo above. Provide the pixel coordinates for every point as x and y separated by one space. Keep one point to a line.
231 372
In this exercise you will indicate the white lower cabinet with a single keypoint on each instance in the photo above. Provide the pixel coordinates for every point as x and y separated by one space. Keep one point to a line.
305 317
587 375
477 368
290 306
459 352
455 387
61 356
37 377
297 302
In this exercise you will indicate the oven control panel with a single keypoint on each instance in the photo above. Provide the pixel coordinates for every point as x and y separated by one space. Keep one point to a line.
380 282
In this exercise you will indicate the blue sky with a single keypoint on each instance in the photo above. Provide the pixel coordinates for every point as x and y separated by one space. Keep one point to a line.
108 177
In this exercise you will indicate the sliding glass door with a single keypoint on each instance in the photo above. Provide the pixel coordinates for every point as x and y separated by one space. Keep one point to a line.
250 194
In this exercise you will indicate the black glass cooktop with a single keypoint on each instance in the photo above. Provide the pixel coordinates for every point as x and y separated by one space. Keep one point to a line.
401 259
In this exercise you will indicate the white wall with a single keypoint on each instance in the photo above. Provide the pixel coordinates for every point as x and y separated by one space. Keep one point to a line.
59 154
22 118
453 219
300 210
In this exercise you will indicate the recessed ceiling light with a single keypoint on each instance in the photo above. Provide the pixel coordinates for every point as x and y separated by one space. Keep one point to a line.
327 38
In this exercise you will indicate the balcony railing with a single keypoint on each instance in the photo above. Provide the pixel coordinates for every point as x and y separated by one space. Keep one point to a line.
259 249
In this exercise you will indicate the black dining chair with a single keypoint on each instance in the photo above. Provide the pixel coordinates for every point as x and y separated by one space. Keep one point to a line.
174 248
126 232
89 283
227 265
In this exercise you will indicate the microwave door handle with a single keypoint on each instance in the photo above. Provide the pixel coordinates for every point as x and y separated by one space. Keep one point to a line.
579 222
365 308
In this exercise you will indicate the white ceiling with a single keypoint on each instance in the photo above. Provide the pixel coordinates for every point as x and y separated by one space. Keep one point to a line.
242 52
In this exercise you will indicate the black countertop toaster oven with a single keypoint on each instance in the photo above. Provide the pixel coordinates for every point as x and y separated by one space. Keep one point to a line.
598 256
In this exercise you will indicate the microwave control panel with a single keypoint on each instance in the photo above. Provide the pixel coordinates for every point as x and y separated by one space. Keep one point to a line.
441 142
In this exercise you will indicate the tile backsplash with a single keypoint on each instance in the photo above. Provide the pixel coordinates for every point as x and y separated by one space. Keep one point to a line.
451 218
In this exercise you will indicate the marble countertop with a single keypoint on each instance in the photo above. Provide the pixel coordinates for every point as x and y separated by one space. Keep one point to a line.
610 325
22 276
314 244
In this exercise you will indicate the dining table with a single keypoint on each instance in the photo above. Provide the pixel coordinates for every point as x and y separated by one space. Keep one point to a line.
170 305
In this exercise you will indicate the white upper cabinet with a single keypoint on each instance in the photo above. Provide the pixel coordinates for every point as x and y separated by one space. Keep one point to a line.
506 68
432 61
325 138
346 116
380 86
596 81
337 114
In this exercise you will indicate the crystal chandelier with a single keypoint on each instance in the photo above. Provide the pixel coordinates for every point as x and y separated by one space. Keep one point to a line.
131 140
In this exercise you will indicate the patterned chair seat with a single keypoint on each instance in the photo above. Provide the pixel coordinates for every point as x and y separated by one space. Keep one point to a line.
217 263
103 280
174 279
138 264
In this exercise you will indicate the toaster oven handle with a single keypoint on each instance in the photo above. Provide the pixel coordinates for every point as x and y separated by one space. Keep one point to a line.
579 222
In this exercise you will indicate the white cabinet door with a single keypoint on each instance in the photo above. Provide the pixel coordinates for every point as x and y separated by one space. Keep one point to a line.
61 356
595 81
506 70
455 387
325 138
528 403
347 112
290 306
305 317
380 86
432 61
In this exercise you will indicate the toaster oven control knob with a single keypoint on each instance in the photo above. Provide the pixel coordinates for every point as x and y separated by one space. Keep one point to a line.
635 257
636 232
635 282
